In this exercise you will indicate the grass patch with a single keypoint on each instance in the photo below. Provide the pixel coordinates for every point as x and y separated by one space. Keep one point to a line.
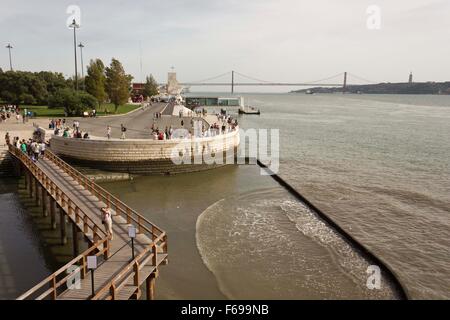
105 109
109 108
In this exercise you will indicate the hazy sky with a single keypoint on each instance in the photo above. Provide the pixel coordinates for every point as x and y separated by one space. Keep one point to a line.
276 40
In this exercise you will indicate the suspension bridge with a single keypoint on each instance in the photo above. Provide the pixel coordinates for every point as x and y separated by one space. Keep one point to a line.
331 81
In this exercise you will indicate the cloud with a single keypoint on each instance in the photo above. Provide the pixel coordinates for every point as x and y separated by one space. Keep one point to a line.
281 40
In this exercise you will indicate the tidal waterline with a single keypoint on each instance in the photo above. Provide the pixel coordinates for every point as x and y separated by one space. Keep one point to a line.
233 234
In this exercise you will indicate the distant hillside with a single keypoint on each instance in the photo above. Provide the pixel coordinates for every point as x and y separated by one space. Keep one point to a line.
388 88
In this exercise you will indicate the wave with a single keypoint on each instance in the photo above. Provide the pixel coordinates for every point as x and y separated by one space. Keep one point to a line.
267 245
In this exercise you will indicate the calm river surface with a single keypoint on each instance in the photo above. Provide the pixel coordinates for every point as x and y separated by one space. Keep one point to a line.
378 165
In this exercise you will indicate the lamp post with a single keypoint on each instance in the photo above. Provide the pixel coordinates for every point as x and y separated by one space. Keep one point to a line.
75 26
92 265
132 235
81 46
9 46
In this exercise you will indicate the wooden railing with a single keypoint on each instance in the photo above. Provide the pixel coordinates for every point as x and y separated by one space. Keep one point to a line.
57 280
143 225
65 276
64 201
132 270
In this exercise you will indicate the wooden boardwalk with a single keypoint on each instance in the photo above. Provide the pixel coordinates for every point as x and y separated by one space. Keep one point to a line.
58 187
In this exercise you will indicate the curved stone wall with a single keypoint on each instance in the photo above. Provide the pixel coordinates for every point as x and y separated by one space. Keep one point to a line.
145 156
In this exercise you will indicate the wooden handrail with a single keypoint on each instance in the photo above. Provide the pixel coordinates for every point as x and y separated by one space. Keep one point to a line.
119 281
52 278
55 192
143 224
100 238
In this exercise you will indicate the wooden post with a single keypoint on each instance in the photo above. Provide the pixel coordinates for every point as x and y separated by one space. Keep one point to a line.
76 248
25 177
44 197
150 286
52 213
128 216
62 225
136 295
106 247
36 191
155 255
30 184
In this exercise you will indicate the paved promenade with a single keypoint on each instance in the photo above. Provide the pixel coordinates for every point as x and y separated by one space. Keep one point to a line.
138 123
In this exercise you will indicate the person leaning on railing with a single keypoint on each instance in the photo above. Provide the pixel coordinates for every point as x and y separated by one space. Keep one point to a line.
107 221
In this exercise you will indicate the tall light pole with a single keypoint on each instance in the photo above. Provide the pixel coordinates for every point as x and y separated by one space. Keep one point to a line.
9 46
81 46
75 26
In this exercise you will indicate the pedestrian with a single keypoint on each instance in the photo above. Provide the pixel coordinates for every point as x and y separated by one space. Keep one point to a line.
23 146
107 221
42 149
123 130
35 148
108 132
7 138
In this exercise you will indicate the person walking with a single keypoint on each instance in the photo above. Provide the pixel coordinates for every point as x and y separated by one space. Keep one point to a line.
7 139
35 148
23 146
108 132
123 130
107 221
42 149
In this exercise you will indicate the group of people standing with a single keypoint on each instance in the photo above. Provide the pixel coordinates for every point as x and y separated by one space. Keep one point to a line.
60 128
123 131
33 148
8 112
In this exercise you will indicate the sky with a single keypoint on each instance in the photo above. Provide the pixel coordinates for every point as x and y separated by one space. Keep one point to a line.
273 40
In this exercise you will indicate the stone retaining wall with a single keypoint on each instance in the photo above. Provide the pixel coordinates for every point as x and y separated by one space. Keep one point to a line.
144 156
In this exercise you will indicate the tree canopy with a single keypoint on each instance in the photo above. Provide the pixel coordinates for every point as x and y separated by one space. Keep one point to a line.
95 80
118 83
21 87
74 102
150 87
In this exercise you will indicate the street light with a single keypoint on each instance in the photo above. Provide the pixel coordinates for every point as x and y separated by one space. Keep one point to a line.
75 26
9 46
81 46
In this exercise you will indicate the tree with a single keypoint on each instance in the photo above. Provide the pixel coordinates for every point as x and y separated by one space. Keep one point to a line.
74 102
95 80
54 81
118 83
19 87
150 87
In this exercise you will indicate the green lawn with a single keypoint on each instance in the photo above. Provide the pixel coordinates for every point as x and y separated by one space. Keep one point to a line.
107 108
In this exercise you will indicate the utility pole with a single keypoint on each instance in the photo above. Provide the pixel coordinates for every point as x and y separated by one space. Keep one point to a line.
75 26
81 46
232 82
344 88
9 46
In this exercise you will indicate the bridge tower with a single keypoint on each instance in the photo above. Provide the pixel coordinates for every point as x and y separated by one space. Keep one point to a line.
232 81
344 87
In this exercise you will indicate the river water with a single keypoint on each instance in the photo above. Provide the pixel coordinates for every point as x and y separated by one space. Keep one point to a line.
378 165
